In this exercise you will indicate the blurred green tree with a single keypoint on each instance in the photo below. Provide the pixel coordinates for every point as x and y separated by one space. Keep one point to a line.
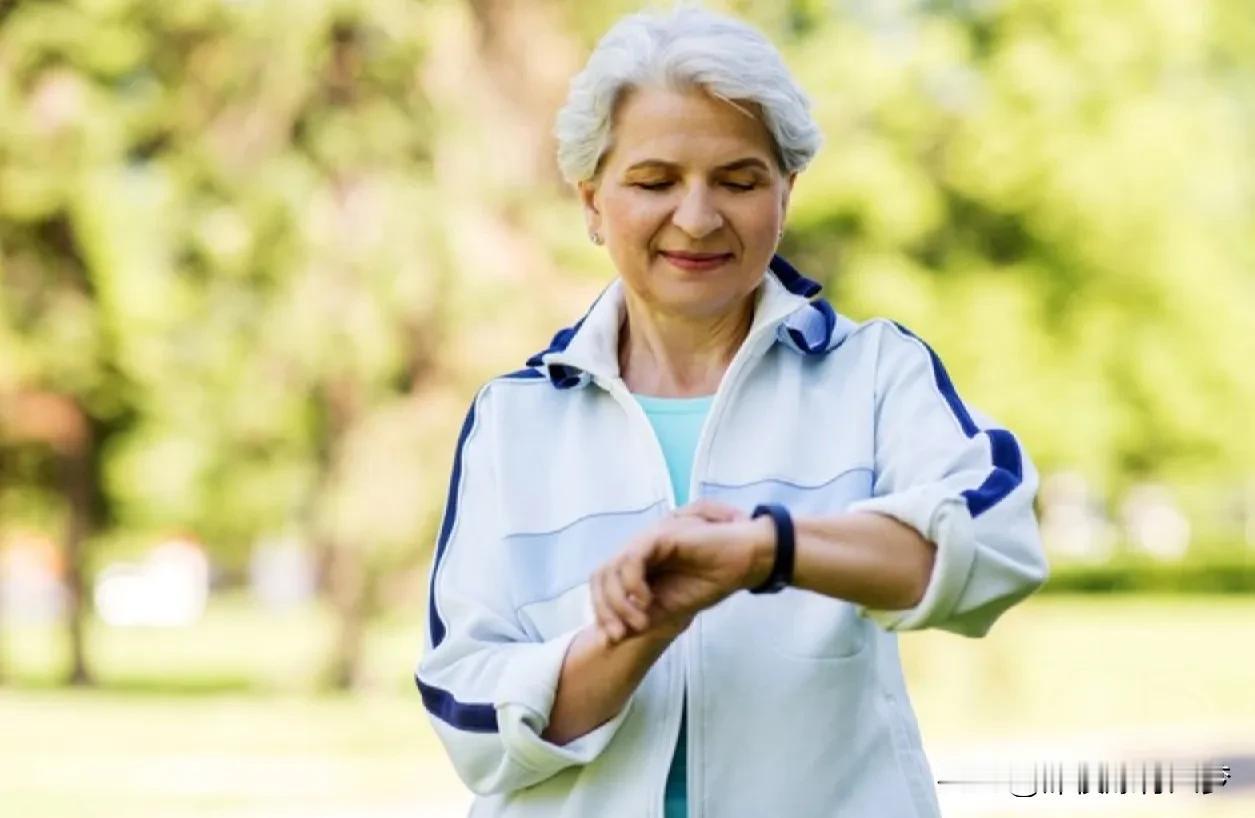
268 251
1060 197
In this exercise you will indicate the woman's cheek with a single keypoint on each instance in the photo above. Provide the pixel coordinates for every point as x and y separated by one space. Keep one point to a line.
650 214
628 218
759 229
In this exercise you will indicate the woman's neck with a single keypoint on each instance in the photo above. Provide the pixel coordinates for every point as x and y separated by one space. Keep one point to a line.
669 355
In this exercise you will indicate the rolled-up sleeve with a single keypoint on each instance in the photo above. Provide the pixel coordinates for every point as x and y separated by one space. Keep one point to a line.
962 483
487 687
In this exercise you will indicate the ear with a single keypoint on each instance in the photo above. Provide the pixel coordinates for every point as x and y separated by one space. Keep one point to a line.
587 190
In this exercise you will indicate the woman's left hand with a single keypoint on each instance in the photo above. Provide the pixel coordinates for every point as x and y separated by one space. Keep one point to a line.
690 561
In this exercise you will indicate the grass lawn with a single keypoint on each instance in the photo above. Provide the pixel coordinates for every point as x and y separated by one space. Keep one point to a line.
1069 665
118 754
223 719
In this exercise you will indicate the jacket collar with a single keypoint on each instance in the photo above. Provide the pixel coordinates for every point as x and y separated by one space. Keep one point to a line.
783 305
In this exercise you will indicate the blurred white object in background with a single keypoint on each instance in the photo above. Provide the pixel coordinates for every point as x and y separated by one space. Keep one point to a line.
1246 505
282 572
31 579
168 589
1153 523
1072 521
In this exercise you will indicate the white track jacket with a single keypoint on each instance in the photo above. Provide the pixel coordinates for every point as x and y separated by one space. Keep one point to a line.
796 701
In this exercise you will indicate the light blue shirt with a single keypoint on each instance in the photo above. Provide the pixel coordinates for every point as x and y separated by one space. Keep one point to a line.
677 423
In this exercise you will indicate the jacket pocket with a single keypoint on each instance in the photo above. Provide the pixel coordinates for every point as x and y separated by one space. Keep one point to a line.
807 625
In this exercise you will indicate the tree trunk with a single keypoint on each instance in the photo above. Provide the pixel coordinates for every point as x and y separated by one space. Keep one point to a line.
77 485
59 421
347 583
344 565
2 673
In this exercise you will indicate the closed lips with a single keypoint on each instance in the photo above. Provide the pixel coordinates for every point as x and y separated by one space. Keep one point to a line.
695 256
697 262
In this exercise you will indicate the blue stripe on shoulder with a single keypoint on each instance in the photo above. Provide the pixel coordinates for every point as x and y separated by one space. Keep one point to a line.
446 526
474 718
1008 471
945 385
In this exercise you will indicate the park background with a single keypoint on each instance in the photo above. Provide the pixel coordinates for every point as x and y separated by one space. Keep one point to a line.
256 256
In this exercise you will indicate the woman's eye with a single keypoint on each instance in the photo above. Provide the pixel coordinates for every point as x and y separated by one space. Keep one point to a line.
653 185
740 187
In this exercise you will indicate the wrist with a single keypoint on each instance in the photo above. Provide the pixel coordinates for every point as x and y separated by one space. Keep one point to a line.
669 631
762 547
662 631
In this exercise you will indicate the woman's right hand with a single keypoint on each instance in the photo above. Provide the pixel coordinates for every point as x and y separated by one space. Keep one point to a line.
624 601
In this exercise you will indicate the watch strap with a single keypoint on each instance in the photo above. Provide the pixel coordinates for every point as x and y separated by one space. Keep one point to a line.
782 569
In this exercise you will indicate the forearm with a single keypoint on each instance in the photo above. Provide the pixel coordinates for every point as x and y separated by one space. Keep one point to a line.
597 679
869 559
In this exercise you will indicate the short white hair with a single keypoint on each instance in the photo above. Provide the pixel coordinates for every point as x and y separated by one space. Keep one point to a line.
688 46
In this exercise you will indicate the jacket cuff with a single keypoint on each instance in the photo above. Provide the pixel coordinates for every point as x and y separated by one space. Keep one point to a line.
524 700
943 519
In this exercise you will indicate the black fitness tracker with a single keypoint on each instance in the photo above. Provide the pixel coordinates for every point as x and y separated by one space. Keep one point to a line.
782 570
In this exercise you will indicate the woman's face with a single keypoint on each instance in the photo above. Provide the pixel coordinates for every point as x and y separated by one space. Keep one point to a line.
690 200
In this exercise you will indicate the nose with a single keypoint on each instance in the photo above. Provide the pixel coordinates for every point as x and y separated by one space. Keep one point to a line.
696 214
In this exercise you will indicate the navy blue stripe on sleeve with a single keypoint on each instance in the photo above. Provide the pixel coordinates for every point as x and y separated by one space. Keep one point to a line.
446 528
473 718
1008 471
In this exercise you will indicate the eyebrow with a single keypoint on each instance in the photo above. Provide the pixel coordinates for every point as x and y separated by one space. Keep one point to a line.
748 162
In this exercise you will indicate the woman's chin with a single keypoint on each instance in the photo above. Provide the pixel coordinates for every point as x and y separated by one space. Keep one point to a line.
697 298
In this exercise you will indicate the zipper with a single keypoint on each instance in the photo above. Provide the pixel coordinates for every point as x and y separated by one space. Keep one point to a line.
619 391
748 352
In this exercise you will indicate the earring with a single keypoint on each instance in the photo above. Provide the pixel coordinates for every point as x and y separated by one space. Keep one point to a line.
595 237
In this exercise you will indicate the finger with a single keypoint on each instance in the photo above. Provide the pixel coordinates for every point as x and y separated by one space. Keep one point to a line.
602 637
632 574
617 598
711 511
607 620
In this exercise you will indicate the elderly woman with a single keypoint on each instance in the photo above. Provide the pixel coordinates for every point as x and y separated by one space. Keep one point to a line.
678 545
